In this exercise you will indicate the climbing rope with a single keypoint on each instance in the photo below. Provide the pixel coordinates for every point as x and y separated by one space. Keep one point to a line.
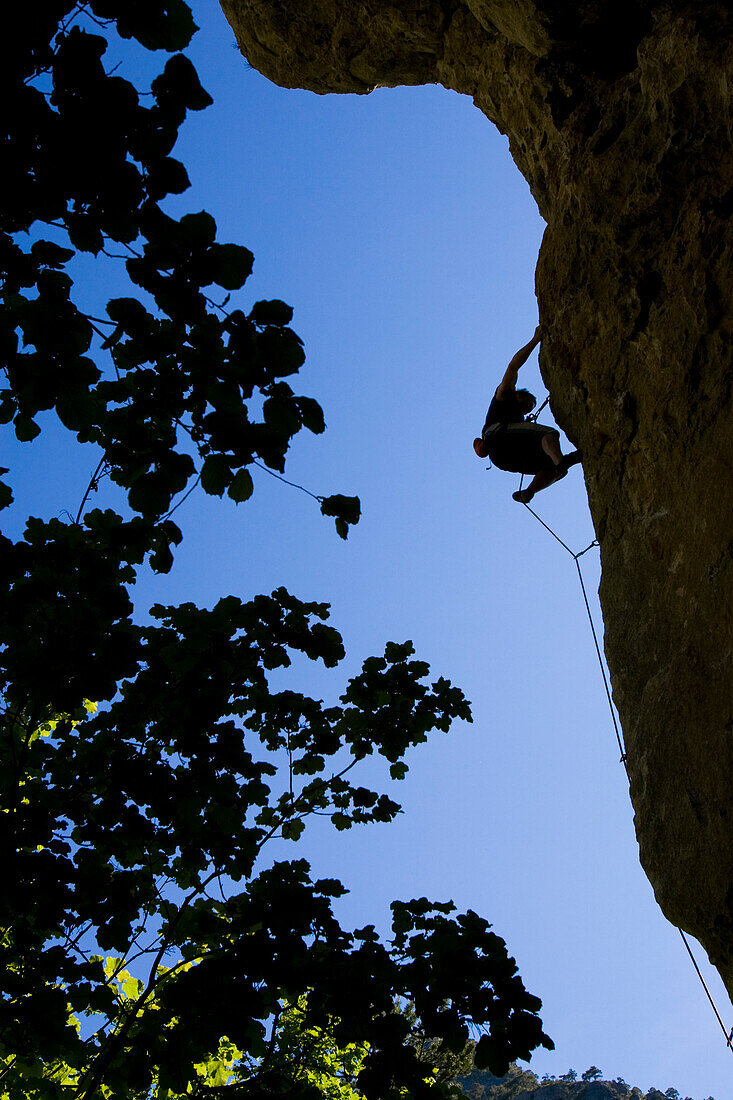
576 556
728 1038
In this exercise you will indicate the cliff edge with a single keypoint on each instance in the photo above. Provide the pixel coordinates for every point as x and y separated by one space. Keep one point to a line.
618 114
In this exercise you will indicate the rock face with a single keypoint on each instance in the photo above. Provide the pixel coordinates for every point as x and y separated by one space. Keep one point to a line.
619 116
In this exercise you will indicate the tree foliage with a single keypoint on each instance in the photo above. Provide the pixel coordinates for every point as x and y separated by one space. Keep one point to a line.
150 945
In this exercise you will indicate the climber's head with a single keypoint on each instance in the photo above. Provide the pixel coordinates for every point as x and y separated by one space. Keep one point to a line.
479 446
525 400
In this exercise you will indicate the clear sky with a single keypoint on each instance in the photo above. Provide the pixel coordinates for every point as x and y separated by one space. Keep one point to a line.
400 230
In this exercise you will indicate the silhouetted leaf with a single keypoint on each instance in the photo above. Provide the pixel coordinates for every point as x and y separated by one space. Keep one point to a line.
311 414
229 265
167 176
346 511
292 830
150 494
272 312
26 429
179 86
216 474
50 254
6 493
163 26
241 487
130 313
195 230
84 234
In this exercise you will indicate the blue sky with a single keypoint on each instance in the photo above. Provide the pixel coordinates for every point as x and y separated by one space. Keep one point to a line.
400 230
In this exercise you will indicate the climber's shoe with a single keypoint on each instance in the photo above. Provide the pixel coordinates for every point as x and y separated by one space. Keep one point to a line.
522 496
567 461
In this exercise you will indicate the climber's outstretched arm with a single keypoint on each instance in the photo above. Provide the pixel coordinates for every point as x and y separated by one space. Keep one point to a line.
509 381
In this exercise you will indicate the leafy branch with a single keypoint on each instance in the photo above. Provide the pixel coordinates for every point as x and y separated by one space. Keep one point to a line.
128 975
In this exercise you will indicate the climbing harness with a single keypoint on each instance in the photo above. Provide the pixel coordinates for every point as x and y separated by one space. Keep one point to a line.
493 429
576 558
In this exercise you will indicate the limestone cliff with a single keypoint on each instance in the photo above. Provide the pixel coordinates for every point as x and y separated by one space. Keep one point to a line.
618 114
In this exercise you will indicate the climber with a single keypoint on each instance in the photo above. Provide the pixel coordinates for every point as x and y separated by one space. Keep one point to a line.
517 444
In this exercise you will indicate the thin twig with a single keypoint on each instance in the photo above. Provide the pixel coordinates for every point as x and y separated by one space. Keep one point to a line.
216 305
182 500
92 486
294 484
9 1066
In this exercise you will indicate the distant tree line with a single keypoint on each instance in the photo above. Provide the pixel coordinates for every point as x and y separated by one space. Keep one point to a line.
482 1085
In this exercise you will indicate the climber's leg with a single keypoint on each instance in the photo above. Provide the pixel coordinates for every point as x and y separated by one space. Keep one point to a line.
551 447
539 481
546 477
571 460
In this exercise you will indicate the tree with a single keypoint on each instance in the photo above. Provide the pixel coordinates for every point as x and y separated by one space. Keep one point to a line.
592 1074
514 1083
311 1056
445 1065
151 945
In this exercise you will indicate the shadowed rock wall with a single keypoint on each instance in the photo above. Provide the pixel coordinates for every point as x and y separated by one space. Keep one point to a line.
618 114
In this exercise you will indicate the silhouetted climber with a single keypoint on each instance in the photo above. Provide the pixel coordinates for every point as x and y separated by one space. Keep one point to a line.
519 445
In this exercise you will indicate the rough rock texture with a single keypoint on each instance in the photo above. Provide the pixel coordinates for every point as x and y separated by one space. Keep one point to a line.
618 114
